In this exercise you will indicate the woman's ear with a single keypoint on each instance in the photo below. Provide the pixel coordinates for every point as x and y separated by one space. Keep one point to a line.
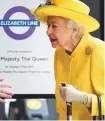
78 33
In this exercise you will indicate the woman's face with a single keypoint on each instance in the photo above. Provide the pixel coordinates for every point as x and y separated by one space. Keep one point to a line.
58 32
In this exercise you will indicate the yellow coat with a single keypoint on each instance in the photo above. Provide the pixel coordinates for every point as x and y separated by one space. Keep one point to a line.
84 69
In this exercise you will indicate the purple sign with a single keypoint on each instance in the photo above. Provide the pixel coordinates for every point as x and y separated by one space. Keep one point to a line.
13 35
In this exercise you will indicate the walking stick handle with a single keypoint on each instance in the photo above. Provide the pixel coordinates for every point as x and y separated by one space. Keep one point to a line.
63 84
69 105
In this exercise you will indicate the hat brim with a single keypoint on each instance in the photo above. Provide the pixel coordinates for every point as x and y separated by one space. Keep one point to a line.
89 22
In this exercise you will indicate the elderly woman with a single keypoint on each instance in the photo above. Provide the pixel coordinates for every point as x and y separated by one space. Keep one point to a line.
79 57
3 92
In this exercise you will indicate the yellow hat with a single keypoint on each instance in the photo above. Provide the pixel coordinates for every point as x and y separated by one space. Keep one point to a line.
71 9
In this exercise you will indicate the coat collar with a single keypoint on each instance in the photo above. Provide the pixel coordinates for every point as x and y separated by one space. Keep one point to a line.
82 45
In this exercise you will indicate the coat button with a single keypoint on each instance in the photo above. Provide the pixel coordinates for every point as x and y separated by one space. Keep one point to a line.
64 109
88 50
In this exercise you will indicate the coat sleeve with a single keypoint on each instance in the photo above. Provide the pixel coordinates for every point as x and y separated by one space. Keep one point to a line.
97 78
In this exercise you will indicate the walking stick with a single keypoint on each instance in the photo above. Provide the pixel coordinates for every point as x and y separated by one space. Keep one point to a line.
69 107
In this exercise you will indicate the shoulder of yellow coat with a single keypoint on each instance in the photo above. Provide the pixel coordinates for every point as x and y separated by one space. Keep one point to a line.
98 51
97 43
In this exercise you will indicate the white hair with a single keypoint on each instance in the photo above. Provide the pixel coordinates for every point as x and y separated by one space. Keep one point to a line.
76 26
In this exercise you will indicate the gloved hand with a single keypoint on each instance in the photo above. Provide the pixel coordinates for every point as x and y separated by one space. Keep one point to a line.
3 92
71 94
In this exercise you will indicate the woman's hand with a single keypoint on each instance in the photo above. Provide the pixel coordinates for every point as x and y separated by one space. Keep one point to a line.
71 94
3 92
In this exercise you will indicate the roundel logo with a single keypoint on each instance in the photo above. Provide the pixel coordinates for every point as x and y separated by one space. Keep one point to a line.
32 23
